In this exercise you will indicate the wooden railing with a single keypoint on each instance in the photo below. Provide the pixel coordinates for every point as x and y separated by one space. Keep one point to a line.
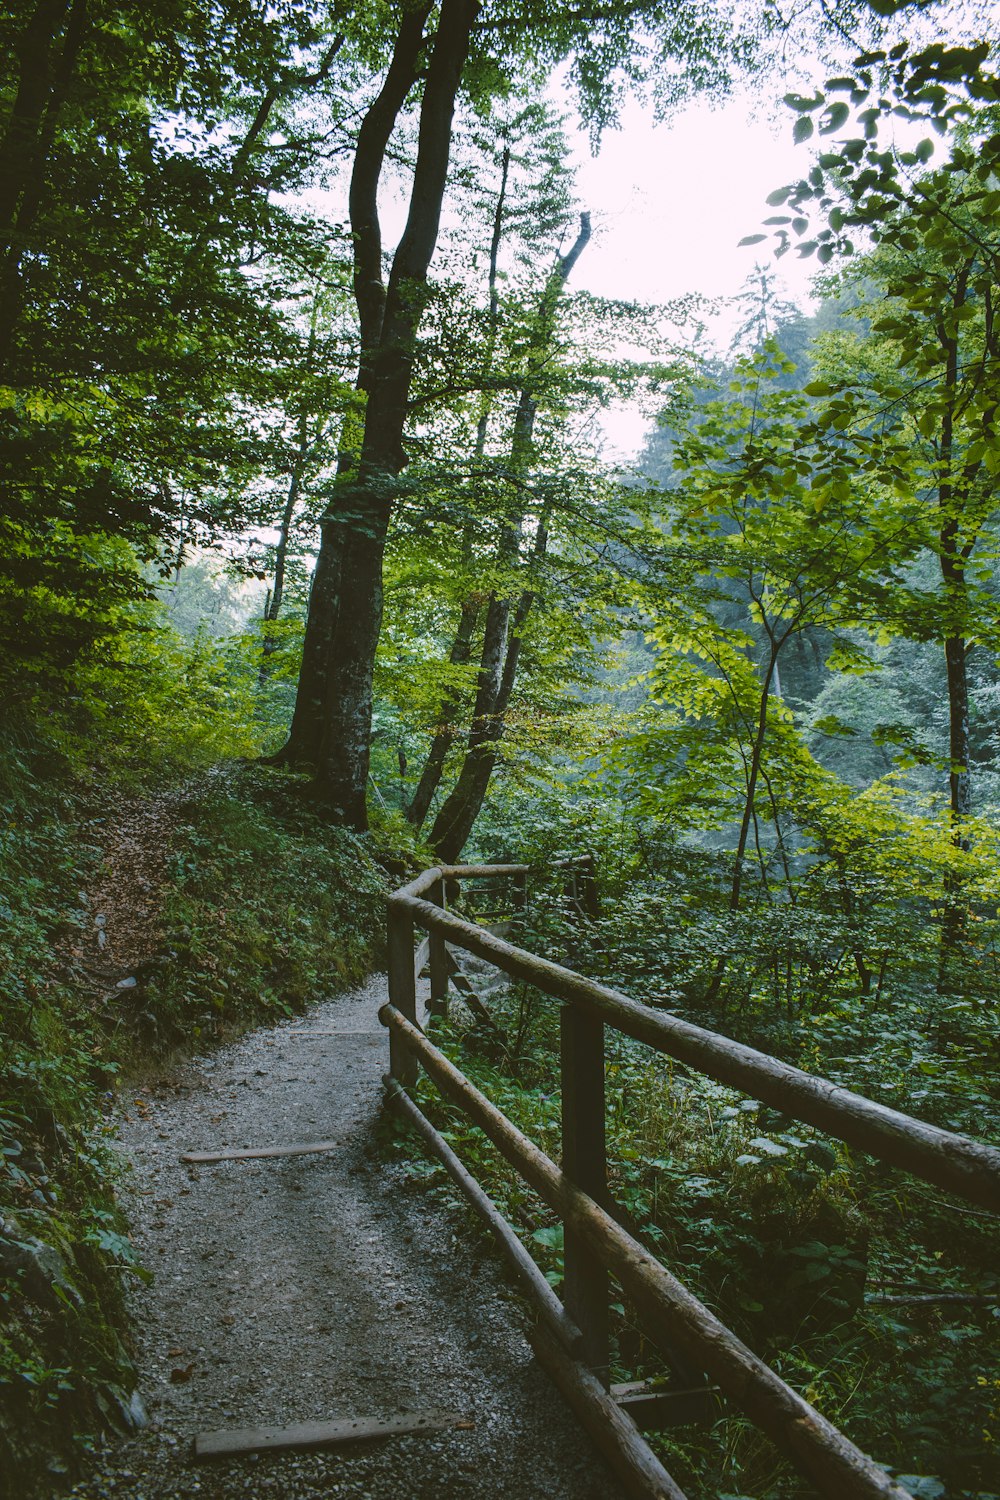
572 1339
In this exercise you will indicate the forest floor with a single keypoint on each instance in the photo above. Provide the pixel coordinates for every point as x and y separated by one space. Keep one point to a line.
336 1285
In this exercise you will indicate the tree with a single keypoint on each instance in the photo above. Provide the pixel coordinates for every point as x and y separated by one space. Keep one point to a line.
931 378
130 332
481 48
772 509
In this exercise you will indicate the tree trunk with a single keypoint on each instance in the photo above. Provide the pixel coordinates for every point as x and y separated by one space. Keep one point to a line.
461 808
753 775
272 609
461 648
954 916
502 641
306 730
43 83
953 557
331 728
444 733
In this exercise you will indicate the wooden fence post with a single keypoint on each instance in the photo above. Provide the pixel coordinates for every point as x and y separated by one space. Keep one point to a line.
585 1162
437 1005
402 990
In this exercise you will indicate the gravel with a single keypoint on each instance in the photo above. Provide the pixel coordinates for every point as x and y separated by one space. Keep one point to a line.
294 1289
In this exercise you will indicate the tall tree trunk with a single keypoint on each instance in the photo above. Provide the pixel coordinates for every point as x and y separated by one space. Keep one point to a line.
752 777
44 80
501 652
306 730
953 558
461 647
331 728
502 636
752 769
276 593
303 445
444 732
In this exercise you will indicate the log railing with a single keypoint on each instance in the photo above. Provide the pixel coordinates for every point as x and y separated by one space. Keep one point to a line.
572 1342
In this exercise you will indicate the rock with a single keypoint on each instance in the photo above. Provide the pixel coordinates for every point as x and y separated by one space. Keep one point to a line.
123 1410
46 1276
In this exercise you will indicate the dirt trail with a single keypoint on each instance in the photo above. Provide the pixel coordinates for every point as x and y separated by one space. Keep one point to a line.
316 1287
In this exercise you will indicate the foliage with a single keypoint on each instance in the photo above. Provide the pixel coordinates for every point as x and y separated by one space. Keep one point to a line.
262 914
760 684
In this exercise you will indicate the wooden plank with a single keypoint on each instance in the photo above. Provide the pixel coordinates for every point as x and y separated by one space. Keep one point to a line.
584 1160
653 1408
438 1003
469 993
296 1033
421 956
534 1283
670 1313
613 1433
963 1166
246 1153
935 1299
229 1444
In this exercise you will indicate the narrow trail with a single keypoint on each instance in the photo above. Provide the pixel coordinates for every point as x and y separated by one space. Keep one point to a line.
316 1287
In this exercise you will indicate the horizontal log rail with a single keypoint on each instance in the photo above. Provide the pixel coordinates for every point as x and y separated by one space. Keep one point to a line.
574 1349
963 1166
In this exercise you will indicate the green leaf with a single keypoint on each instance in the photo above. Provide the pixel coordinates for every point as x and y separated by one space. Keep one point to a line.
800 103
803 130
834 118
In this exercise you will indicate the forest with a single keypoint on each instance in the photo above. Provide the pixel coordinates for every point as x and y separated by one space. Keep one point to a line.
314 573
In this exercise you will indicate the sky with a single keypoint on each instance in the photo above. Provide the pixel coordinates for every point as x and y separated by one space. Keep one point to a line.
670 203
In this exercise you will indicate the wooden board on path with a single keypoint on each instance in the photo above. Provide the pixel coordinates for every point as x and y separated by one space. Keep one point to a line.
296 1032
246 1152
229 1444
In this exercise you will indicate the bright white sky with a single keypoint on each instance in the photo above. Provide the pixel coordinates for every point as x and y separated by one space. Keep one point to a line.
670 202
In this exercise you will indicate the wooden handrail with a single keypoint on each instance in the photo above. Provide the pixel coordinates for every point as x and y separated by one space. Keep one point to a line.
673 1314
595 1242
954 1162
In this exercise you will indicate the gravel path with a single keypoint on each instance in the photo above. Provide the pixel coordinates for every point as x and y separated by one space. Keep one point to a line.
317 1287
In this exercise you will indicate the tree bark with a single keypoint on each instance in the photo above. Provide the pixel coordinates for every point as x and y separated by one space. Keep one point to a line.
272 609
461 648
953 557
753 775
459 811
445 731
